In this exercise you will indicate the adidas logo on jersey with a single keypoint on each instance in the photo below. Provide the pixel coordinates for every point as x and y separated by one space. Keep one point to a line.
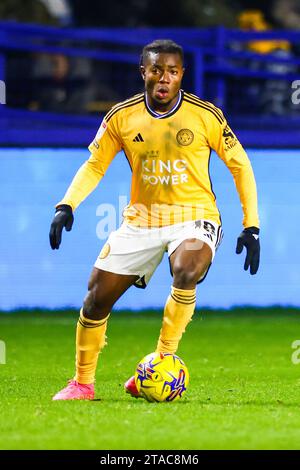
138 138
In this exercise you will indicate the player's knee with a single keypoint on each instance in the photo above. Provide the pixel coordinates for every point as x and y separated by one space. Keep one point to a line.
184 277
94 306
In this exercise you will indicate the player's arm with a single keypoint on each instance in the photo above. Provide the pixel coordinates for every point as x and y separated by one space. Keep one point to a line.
227 146
241 170
103 149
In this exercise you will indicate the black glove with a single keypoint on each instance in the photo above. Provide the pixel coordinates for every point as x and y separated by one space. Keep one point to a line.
249 239
63 218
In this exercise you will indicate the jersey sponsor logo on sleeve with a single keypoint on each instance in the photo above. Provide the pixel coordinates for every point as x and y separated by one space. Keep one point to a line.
100 133
185 137
229 138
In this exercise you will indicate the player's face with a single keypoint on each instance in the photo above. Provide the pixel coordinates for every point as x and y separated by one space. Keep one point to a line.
162 74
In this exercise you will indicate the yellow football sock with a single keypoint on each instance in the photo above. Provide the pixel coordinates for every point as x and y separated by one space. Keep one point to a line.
178 313
90 339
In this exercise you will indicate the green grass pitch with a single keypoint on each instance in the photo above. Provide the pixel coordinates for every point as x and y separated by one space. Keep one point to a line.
244 391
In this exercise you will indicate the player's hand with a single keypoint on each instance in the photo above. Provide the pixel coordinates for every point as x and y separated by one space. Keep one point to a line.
63 218
249 238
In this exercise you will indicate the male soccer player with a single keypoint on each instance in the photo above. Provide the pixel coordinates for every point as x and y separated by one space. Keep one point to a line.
167 136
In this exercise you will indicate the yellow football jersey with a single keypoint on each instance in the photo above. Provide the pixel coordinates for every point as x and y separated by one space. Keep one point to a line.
169 157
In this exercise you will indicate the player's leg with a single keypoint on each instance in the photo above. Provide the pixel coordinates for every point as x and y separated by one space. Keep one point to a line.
104 289
191 248
189 263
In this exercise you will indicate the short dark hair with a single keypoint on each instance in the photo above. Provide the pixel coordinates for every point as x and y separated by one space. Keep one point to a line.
166 46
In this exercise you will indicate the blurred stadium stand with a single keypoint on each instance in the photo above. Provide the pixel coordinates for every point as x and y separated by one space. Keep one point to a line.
61 81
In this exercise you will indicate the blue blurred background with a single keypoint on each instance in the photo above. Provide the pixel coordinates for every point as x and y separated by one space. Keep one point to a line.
32 275
63 64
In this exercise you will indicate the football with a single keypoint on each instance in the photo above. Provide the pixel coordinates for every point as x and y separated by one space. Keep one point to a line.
161 377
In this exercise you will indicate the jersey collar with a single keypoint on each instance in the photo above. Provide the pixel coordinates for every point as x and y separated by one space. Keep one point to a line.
169 113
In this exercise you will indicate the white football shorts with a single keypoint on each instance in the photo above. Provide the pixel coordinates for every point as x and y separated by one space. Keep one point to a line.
138 251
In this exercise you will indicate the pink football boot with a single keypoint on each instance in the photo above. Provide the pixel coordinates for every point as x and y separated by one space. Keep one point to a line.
76 391
130 387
